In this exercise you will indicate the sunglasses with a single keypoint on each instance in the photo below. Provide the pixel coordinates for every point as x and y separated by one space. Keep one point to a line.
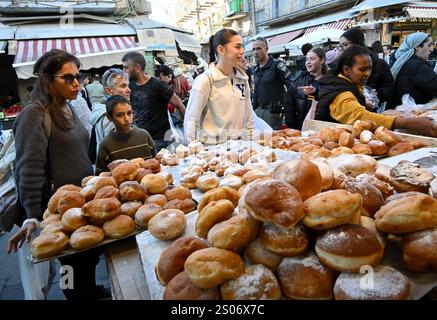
69 78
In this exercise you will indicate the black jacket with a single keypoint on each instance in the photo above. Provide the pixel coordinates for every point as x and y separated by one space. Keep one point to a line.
330 87
417 78
296 103
381 79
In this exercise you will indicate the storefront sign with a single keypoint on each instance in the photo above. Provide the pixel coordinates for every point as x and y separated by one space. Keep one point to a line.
413 24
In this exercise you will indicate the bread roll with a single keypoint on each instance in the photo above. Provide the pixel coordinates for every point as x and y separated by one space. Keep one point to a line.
210 267
88 193
132 191
360 148
180 193
107 192
99 182
256 283
181 288
274 201
152 164
304 277
346 140
49 219
139 162
409 176
101 210
167 224
72 219
377 180
257 253
389 137
86 237
366 136
302 175
186 205
130 208
154 184
172 259
217 194
213 213
361 125
124 172
145 213
54 226
49 244
111 166
330 209
85 180
400 148
379 148
326 134
330 145
387 284
349 247
207 182
70 199
372 197
341 150
167 175
408 214
52 205
284 242
159 199
235 233
119 227
420 250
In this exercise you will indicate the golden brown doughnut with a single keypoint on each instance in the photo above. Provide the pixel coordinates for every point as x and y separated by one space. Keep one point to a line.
189 179
409 176
206 155
326 173
346 140
111 166
214 161
152 164
235 233
341 150
245 155
284 242
107 192
105 174
54 226
145 213
354 164
253 175
86 237
72 219
119 227
85 180
370 224
207 182
402 195
213 213
379 148
304 277
275 201
130 208
377 181
172 259
195 147
169 159
195 161
361 125
139 162
217 194
326 134
101 210
181 288
49 244
49 219
372 197
186 205
366 136
126 171
348 247
302 175
141 174
222 166
167 224
336 134
88 193
132 191
256 283
231 181
387 284
180 193
330 145
159 199
257 253
331 208
99 182
389 137
182 151
210 267
70 199
236 169
419 250
70 187
52 205
408 214
360 148
154 184
167 175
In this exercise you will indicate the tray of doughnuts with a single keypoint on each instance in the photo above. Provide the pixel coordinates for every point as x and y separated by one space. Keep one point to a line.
309 231
107 208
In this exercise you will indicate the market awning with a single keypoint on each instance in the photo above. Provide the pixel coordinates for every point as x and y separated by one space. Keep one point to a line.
373 4
385 20
422 12
277 43
338 25
93 52
319 36
187 42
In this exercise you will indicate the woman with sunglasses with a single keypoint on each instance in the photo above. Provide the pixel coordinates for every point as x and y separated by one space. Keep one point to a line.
411 71
46 161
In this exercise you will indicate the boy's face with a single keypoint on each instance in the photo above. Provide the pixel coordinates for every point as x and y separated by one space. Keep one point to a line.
122 117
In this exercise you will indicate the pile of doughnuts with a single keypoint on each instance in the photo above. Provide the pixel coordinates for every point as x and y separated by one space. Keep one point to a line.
364 138
308 231
133 195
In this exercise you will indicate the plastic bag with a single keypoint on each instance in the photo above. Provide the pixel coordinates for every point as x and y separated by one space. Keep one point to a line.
372 100
36 278
175 134
310 115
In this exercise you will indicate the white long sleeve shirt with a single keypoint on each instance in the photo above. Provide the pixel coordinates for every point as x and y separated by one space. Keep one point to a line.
219 108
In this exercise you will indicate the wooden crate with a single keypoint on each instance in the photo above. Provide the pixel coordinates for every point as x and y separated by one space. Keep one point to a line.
317 125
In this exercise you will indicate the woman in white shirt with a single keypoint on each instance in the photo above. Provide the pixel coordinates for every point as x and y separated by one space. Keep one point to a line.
219 107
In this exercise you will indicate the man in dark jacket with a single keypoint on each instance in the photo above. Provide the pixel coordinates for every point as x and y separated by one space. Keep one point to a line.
271 78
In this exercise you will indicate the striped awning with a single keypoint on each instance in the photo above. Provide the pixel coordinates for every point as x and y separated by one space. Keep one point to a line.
422 12
284 38
340 25
31 50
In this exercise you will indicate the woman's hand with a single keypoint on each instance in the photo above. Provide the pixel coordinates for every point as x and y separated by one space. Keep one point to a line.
423 126
24 234
308 90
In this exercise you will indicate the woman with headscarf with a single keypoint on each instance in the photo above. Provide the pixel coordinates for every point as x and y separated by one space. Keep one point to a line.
411 71
380 78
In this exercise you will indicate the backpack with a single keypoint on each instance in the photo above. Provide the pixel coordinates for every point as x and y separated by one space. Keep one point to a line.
9 202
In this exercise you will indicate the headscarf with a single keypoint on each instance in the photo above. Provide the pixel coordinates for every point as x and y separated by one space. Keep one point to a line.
332 55
407 50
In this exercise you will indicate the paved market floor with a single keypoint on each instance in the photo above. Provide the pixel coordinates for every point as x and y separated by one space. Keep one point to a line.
10 283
